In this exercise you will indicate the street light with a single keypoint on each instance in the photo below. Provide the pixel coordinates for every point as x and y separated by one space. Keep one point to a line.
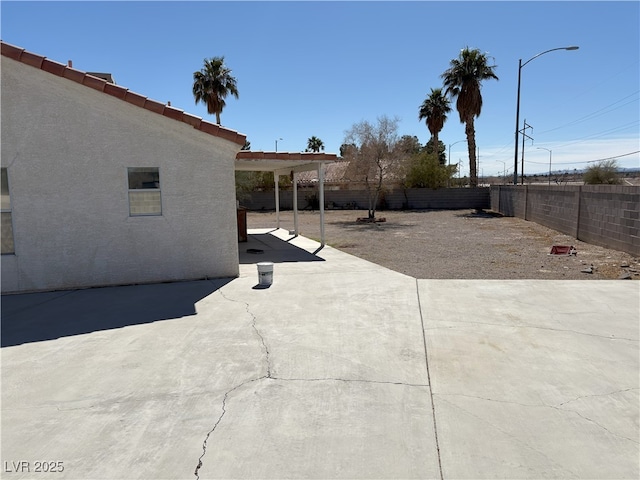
520 65
504 171
449 156
542 148
277 144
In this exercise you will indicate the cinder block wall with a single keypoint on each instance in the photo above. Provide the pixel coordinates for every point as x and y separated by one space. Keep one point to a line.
610 216
414 198
605 215
555 207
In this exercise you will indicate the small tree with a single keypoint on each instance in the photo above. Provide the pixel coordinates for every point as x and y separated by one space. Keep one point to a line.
373 153
604 172
442 150
426 171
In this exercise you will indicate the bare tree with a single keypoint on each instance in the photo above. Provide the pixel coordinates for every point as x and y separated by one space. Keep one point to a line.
374 153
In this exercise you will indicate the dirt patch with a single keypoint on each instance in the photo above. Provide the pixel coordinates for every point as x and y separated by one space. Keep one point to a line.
458 244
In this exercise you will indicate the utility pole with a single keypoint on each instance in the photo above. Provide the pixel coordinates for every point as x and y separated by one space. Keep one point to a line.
524 136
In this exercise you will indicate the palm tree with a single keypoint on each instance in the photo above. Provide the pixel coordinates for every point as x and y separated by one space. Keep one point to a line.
435 109
462 80
212 84
314 144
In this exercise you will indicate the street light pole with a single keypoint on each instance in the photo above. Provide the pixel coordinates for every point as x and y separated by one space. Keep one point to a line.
520 65
449 157
542 148
277 144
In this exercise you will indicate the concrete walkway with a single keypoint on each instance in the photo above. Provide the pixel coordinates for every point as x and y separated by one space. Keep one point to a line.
340 369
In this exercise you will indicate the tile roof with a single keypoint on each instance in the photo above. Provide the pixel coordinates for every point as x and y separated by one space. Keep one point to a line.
334 173
88 80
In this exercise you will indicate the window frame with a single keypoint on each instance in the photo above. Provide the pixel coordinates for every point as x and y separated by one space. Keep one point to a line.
5 172
136 190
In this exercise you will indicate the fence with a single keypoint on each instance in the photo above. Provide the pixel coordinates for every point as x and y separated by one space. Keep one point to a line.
605 215
397 199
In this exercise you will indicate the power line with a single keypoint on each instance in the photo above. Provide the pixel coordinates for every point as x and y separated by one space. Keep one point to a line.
595 114
591 161
596 135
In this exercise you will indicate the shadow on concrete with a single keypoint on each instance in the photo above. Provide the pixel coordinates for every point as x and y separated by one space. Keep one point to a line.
36 317
480 214
264 247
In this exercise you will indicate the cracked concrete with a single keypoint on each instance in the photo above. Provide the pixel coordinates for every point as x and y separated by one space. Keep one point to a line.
535 392
341 369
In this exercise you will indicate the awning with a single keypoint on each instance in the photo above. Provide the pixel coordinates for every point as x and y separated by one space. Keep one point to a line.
288 163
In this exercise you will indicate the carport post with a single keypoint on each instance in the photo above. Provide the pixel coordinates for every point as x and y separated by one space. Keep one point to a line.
276 177
321 182
295 203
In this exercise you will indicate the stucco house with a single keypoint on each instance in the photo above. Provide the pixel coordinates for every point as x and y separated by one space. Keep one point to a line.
103 186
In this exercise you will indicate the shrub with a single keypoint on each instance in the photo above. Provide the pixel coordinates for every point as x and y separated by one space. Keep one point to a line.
604 172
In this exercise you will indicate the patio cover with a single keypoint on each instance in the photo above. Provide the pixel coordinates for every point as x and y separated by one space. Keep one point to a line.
288 163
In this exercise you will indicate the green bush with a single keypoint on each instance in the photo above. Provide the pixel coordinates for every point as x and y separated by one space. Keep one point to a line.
602 173
425 171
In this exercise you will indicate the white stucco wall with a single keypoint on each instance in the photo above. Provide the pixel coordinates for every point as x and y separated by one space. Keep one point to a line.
67 148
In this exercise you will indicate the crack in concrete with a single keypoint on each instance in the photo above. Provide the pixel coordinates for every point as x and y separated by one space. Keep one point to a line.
231 390
543 405
536 327
269 376
596 423
228 392
490 399
591 420
556 465
349 380
598 395
215 425
255 328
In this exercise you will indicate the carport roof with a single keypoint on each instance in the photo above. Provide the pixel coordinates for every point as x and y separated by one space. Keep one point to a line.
282 162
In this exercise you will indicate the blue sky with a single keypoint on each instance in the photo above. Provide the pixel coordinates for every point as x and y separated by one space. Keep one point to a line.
316 68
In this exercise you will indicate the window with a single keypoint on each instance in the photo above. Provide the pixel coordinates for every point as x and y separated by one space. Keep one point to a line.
144 191
7 222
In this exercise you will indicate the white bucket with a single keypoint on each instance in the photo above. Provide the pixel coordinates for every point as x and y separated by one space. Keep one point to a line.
265 273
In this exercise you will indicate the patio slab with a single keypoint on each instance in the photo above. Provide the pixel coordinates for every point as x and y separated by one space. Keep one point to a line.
534 379
323 375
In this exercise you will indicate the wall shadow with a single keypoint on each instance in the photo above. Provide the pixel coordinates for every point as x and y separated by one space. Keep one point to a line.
264 247
37 317
480 214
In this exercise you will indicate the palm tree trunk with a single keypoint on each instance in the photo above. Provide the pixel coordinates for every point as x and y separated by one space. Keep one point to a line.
218 118
471 144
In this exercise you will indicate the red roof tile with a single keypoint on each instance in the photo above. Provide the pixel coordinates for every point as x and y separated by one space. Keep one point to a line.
94 82
64 71
115 90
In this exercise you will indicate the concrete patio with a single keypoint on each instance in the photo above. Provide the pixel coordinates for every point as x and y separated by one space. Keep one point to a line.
340 369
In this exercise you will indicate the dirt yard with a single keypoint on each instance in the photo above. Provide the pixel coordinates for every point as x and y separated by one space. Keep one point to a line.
458 244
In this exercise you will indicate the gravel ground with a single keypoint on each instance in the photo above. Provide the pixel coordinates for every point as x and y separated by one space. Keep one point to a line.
460 244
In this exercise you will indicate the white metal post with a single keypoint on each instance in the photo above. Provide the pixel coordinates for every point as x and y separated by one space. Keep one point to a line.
295 203
321 182
276 177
